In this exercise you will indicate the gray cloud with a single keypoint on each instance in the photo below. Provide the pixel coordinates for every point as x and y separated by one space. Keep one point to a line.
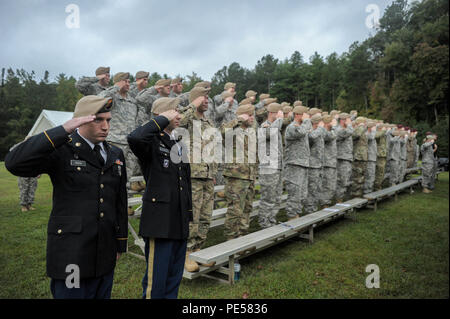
176 37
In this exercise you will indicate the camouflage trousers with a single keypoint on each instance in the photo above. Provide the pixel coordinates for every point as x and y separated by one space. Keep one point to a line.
369 177
329 184
344 173
27 188
410 160
271 191
314 190
296 183
402 171
394 167
358 173
131 161
428 175
239 194
379 173
202 208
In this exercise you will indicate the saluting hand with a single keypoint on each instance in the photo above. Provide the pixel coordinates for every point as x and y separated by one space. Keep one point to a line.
74 123
280 115
170 114
244 117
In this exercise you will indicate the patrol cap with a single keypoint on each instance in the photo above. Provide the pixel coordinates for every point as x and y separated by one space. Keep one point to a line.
92 104
287 109
197 92
245 101
176 81
250 93
296 103
163 82
142 75
245 109
263 96
316 118
164 104
343 116
204 84
226 94
229 85
313 111
121 76
300 109
101 70
274 107
327 118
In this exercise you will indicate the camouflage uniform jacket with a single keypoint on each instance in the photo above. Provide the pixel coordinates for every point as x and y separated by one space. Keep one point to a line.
427 153
297 143
224 113
360 145
244 170
393 148
403 152
380 138
268 134
372 147
89 86
316 147
344 143
330 150
125 115
200 169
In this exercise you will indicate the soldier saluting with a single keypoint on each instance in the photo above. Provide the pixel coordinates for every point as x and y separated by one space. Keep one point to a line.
88 222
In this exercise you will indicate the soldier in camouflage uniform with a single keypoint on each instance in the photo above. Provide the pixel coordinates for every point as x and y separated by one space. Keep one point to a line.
329 172
380 138
393 155
288 118
296 161
126 117
225 108
176 87
250 94
202 173
428 177
147 97
94 85
270 177
410 148
344 144
140 83
403 155
316 151
360 156
27 188
369 178
240 175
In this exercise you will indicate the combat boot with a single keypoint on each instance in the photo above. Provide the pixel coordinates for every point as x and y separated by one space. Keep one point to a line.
30 207
209 264
190 265
24 208
426 190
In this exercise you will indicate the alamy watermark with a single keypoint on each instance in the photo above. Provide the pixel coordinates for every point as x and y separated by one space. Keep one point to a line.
373 280
373 19
73 19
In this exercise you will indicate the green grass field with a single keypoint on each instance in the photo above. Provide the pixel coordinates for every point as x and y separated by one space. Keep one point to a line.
407 239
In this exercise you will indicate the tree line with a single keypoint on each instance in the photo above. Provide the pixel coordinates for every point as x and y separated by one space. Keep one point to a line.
399 74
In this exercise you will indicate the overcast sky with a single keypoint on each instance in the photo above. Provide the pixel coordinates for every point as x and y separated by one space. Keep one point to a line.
174 37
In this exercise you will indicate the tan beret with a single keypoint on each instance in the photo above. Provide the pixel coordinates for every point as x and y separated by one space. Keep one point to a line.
229 85
226 94
343 116
270 100
250 93
360 120
176 81
197 92
204 84
274 107
245 101
371 123
296 103
353 111
92 104
102 70
142 75
283 104
121 76
163 82
316 118
287 109
313 111
245 109
263 96
334 112
164 104
396 133
327 118
300 109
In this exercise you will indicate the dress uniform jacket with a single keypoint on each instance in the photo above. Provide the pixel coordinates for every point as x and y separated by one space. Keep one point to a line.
167 200
88 222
